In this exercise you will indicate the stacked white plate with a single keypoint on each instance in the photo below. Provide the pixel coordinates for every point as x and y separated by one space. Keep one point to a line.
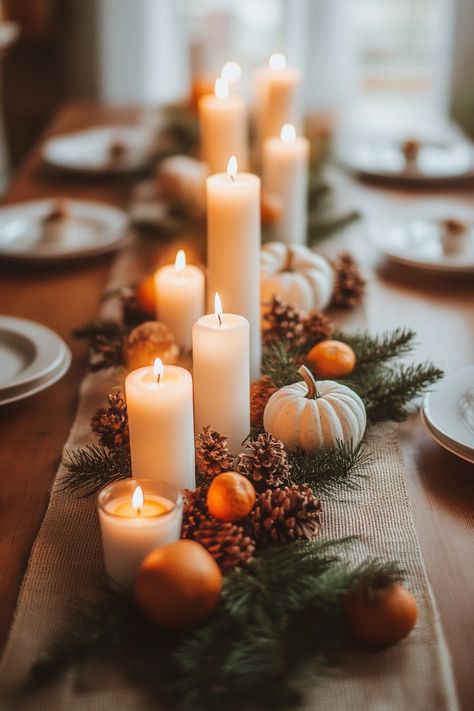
32 357
448 413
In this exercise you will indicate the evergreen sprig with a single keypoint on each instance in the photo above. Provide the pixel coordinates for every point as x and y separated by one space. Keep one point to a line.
370 350
92 467
328 471
278 617
280 361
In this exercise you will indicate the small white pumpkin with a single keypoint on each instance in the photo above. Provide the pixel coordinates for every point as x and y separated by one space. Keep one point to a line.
297 275
315 415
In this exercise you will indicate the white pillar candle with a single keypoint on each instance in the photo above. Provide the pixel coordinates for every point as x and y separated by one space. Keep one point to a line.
160 419
285 175
276 98
233 249
136 516
180 296
221 375
223 123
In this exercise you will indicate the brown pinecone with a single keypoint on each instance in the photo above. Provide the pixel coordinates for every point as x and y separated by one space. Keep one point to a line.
317 327
132 313
105 351
212 453
349 284
260 392
194 510
228 543
111 423
286 514
266 464
282 323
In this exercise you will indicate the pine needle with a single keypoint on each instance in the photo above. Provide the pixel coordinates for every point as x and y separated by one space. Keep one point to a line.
93 467
380 348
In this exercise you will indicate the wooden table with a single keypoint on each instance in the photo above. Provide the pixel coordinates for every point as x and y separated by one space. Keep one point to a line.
32 432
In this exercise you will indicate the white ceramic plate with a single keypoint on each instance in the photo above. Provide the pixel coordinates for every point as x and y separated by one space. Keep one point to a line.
445 442
28 351
36 386
91 228
380 157
418 239
449 411
89 150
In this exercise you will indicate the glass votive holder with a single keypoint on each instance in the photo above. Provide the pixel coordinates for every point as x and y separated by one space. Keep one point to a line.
136 516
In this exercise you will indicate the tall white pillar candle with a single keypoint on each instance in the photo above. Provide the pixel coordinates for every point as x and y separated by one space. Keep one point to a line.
276 98
233 249
160 419
285 175
221 375
224 132
180 296
136 516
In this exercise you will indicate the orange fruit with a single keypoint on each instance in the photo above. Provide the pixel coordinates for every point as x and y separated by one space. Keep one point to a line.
231 496
331 359
270 208
178 585
146 295
383 616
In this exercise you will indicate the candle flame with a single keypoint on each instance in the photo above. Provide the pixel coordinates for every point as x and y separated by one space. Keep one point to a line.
231 72
232 167
277 62
180 261
138 499
288 133
158 369
221 88
218 307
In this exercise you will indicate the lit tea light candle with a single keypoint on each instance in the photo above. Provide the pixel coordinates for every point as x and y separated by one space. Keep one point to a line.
221 374
135 517
223 122
160 419
180 295
285 175
233 249
276 98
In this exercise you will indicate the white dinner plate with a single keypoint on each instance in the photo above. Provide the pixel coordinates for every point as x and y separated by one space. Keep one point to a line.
91 228
380 157
28 351
418 239
449 411
36 386
90 150
445 442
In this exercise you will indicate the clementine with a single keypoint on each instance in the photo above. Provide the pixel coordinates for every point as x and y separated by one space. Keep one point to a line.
146 295
383 616
178 585
331 359
231 496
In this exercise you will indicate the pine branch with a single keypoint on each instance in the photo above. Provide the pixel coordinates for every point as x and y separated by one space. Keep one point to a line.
280 362
280 615
380 348
91 468
330 470
319 229
105 343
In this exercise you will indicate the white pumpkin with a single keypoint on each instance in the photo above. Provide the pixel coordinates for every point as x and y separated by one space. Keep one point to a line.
315 415
297 275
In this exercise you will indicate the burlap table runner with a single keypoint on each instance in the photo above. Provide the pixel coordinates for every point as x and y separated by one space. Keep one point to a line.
66 565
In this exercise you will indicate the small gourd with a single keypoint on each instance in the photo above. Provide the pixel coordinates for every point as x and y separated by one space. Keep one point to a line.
301 278
315 415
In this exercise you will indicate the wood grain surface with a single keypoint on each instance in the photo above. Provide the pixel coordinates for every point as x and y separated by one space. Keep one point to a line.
33 431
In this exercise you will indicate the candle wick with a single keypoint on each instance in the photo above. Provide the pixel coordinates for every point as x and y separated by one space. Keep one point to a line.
232 177
139 511
220 320
158 377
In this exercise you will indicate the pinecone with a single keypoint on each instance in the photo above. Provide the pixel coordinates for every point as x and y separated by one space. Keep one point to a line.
132 313
282 323
111 423
266 464
349 284
194 511
286 514
212 453
260 392
317 327
227 542
105 351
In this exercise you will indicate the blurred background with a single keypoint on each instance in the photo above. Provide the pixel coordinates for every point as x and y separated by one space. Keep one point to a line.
365 61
